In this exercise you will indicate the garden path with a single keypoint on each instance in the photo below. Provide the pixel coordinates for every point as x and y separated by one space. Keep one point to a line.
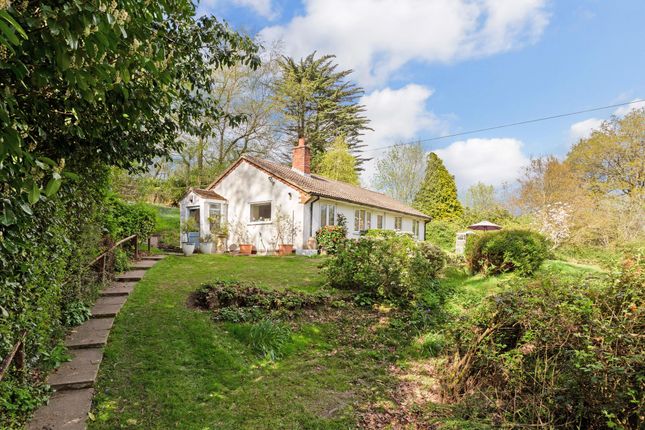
73 381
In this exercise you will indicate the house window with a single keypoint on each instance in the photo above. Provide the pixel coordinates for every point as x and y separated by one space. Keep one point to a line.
359 220
215 215
369 220
415 228
398 223
261 212
379 221
327 215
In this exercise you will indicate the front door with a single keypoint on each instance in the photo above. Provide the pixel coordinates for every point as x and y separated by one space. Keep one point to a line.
193 237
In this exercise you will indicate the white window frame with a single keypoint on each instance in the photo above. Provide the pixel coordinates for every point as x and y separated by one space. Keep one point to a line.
330 214
380 218
267 202
398 220
415 227
359 220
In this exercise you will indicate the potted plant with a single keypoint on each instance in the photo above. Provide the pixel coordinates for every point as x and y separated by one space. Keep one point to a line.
243 239
206 244
189 226
221 232
286 229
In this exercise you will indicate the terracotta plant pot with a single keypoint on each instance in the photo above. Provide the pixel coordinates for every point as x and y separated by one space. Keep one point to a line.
285 249
246 249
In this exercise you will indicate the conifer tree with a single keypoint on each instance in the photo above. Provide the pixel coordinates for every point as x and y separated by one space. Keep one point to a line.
438 194
338 164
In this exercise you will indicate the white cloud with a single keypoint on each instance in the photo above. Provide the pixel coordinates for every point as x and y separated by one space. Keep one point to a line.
583 129
491 161
376 38
397 115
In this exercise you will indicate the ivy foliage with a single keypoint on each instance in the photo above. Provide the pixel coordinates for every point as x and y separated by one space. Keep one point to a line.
85 85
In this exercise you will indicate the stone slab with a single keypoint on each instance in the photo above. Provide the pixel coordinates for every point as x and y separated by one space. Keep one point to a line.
112 300
105 311
142 264
118 289
91 334
130 275
153 257
78 373
66 410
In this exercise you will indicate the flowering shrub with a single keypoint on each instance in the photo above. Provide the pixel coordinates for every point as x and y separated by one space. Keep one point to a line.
554 222
389 267
505 251
330 237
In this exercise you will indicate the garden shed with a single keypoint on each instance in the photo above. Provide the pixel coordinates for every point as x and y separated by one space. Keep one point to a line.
206 207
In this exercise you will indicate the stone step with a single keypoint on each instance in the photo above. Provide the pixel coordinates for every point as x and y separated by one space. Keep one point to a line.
91 334
78 373
109 306
66 410
142 264
130 275
118 289
153 257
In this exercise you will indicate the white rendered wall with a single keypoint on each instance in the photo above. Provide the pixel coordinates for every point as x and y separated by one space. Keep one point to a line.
245 185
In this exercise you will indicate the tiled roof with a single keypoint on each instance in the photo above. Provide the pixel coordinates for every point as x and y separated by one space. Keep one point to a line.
204 193
336 190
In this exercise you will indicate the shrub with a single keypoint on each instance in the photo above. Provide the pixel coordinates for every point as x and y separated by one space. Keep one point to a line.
502 251
330 237
125 219
563 354
121 260
443 234
236 301
385 265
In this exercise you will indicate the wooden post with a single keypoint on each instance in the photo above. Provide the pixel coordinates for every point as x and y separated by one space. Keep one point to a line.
148 244
136 247
104 268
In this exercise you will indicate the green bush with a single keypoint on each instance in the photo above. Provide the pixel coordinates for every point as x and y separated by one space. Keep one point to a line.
121 260
565 354
443 234
125 219
385 266
503 251
330 237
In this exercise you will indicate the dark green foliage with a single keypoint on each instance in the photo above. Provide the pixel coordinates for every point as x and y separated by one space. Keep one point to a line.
503 251
563 353
330 237
121 260
125 219
320 104
237 301
75 313
438 194
386 266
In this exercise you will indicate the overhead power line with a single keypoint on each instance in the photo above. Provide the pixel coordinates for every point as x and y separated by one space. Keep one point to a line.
506 125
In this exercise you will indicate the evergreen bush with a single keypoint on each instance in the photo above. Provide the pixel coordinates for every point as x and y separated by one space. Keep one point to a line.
503 251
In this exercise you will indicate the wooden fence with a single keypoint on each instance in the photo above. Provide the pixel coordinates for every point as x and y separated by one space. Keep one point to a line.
17 353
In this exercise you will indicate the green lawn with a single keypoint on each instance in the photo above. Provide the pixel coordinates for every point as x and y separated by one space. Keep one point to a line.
168 224
168 366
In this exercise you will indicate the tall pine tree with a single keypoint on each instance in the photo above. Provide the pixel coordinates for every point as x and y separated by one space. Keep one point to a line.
320 103
438 194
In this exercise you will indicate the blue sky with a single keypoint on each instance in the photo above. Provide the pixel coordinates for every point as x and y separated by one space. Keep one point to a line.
433 67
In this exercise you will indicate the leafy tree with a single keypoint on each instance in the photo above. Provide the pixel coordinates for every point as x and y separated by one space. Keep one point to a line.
437 196
481 197
85 86
338 164
321 104
400 171
611 159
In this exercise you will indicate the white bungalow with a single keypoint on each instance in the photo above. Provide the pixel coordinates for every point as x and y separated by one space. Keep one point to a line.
251 193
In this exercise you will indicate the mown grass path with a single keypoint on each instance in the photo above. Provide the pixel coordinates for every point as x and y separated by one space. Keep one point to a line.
168 366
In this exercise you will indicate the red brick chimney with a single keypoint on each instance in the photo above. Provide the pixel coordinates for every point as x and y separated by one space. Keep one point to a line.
301 159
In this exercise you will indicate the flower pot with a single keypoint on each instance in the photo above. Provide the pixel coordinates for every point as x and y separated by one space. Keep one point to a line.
206 247
246 249
285 249
188 248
